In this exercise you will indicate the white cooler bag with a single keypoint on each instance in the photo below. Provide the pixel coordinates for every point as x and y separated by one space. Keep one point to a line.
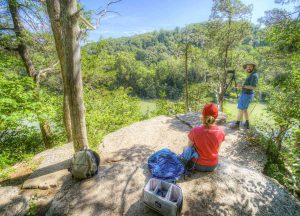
163 197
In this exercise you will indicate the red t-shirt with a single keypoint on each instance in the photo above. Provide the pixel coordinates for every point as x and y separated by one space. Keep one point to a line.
207 142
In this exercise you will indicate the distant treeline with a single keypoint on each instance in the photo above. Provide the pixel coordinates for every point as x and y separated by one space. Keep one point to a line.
152 64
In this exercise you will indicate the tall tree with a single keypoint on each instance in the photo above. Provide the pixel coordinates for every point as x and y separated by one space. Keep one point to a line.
72 66
228 27
53 8
190 36
24 52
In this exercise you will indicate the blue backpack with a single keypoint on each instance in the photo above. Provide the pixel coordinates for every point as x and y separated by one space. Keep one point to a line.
166 165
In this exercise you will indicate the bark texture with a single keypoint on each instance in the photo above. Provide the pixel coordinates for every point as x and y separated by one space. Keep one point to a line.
53 9
72 67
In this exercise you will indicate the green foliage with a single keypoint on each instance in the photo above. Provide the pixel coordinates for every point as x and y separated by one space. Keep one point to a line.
169 108
132 73
282 165
33 207
19 144
20 105
199 95
5 173
282 82
17 98
108 111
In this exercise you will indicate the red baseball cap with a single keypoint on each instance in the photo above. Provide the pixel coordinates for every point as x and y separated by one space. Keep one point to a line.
210 109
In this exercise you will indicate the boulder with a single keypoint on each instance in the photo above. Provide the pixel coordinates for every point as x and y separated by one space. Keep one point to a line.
231 189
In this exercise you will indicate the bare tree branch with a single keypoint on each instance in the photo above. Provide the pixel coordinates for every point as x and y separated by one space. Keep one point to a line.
104 11
87 23
42 72
48 69
6 28
14 49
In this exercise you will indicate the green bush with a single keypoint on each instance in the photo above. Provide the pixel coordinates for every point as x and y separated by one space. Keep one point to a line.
199 95
19 145
20 104
108 111
282 165
169 108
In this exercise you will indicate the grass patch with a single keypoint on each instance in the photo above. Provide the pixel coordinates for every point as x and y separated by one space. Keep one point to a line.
5 173
17 174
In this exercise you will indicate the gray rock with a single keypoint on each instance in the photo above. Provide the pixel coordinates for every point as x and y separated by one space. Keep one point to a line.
192 119
241 151
53 170
230 190
156 133
117 189
12 202
170 132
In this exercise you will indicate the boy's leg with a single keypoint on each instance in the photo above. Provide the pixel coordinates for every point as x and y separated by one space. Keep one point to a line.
246 115
240 115
247 125
239 119
240 107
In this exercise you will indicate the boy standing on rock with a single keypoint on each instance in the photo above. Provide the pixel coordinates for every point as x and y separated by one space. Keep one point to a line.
247 94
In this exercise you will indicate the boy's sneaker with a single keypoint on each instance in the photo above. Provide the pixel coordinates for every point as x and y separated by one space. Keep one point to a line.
247 125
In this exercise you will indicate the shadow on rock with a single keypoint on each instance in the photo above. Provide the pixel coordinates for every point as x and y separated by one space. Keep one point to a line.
111 192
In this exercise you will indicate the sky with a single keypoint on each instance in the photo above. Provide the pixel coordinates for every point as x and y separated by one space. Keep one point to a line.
140 16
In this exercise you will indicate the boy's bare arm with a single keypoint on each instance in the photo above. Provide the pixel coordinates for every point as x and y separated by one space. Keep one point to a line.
249 87
245 86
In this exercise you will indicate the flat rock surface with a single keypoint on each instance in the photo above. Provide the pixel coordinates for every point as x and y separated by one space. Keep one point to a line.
53 169
230 190
12 202
155 134
236 188
240 149
170 132
193 118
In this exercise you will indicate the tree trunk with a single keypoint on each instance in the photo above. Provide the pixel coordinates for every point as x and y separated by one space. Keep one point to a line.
67 116
279 138
186 79
224 80
46 133
72 67
23 51
225 66
53 8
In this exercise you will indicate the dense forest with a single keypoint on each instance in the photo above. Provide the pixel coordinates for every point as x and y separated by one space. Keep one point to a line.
179 69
